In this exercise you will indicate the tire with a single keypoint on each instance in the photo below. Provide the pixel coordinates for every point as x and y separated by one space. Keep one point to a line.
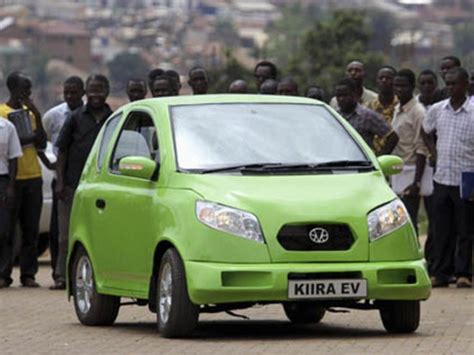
400 316
91 307
304 312
177 316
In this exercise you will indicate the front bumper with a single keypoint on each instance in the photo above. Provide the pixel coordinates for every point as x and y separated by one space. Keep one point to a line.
212 283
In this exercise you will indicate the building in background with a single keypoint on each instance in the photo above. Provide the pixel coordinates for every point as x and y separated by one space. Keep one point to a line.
55 39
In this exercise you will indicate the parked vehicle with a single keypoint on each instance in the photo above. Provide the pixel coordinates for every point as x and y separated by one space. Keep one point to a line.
48 176
220 202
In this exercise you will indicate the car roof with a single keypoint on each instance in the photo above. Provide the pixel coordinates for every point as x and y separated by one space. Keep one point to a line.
223 98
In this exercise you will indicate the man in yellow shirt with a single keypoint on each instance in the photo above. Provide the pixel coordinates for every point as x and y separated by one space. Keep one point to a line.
28 185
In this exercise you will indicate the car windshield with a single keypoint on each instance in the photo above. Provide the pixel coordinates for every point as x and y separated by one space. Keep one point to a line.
219 136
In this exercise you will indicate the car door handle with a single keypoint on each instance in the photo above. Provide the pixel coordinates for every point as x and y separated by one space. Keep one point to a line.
100 203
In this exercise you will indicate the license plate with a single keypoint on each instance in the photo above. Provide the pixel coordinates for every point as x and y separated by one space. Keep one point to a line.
340 288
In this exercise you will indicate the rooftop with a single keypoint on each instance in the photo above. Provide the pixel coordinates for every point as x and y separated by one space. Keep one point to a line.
61 28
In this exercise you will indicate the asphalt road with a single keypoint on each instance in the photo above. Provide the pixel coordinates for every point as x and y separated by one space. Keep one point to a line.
40 321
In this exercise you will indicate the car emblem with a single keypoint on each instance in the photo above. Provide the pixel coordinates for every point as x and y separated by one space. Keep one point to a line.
318 235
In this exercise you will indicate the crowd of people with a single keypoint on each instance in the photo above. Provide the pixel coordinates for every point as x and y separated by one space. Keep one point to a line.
432 131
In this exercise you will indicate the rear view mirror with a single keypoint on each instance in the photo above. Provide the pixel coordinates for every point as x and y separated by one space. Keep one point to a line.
139 167
390 164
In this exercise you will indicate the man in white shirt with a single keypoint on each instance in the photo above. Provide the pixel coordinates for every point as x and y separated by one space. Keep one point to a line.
53 120
407 123
10 150
453 121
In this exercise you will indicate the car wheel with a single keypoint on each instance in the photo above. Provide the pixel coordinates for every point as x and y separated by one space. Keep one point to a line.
400 316
304 312
177 316
91 307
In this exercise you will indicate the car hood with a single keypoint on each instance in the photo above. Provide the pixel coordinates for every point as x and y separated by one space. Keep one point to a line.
298 194
278 200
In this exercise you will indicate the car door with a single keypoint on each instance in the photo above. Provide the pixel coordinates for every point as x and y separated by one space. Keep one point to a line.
125 205
92 219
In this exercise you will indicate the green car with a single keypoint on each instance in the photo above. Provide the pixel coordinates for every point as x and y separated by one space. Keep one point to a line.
220 202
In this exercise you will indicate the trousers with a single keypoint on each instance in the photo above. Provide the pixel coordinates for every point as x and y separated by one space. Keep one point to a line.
453 233
64 214
27 211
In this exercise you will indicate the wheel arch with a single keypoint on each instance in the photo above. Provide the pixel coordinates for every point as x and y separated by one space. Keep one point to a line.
70 263
160 250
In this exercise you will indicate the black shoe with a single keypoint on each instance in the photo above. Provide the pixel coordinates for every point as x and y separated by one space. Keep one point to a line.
4 283
435 282
29 282
58 285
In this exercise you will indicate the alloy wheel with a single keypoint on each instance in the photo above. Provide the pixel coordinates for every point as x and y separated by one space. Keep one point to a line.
84 284
166 292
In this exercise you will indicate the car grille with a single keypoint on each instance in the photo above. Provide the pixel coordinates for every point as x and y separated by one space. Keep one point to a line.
324 275
297 237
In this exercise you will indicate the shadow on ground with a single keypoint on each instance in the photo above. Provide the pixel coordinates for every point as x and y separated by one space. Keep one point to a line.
262 330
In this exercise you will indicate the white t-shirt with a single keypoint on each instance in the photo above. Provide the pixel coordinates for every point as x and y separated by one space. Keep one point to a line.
10 147
53 121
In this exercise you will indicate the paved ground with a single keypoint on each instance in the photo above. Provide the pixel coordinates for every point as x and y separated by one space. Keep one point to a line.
40 321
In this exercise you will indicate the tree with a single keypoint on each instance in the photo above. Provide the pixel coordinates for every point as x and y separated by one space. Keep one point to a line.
225 32
285 34
315 46
39 75
221 77
382 24
329 45
464 38
127 66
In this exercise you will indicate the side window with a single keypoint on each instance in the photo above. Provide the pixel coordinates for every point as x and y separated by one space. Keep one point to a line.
104 144
138 137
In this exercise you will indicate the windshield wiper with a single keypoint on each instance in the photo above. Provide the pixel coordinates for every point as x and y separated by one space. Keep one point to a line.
330 165
262 167
241 167
346 164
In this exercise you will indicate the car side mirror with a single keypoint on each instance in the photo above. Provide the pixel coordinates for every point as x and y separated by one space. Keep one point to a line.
139 167
390 164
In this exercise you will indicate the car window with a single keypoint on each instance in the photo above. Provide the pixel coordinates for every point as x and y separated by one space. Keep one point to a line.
138 137
218 135
104 144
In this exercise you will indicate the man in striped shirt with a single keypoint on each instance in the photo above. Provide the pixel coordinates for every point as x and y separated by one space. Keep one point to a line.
453 121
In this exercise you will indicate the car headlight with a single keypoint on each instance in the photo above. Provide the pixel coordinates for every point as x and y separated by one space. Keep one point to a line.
230 220
386 219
